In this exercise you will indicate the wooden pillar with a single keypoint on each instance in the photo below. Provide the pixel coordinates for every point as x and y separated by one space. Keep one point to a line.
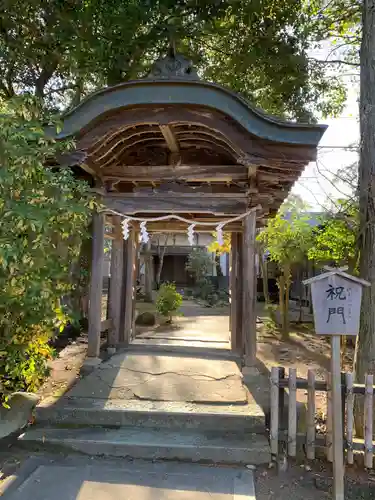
249 290
135 277
115 283
236 292
232 289
96 286
148 273
128 287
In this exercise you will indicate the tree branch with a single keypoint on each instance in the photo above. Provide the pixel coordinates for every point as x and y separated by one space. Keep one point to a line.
59 90
8 92
334 61
44 77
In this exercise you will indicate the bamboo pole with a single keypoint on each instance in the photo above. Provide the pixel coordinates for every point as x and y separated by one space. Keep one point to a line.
329 420
337 423
274 426
292 413
310 441
349 417
369 382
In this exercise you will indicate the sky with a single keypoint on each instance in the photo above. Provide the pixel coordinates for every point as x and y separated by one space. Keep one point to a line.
315 185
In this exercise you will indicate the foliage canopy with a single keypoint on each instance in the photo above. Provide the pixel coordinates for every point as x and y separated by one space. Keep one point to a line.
44 215
62 50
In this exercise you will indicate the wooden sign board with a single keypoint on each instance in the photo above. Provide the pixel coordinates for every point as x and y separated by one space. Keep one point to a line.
336 298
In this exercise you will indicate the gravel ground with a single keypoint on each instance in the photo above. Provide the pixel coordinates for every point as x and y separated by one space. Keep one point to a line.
301 482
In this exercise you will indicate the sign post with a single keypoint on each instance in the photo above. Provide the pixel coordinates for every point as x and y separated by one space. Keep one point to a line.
336 298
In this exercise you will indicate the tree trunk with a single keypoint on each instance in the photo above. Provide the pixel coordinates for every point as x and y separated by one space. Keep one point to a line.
161 252
219 272
264 270
300 293
284 331
364 361
85 273
286 304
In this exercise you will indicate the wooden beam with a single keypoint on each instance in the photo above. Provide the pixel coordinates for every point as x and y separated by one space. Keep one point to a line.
96 285
115 283
170 138
184 188
130 173
196 193
129 203
249 290
181 227
252 170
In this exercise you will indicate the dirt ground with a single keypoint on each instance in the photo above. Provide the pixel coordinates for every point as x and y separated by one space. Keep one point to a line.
304 351
310 482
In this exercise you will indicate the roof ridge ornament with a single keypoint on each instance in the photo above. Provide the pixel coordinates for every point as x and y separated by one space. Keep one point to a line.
173 66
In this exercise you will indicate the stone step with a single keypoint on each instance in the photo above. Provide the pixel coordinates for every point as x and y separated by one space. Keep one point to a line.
193 349
158 414
61 477
153 444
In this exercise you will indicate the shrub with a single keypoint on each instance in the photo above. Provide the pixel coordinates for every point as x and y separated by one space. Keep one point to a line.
198 265
168 300
44 215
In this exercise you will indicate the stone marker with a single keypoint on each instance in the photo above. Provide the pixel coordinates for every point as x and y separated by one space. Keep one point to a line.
18 415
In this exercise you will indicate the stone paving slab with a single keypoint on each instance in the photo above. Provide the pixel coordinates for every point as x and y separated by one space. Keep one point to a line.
164 378
208 446
149 340
159 364
86 479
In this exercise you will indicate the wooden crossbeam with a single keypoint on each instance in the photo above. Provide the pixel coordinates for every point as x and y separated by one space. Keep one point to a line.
216 173
175 203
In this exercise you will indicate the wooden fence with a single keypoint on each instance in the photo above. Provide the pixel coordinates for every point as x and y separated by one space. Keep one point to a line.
279 383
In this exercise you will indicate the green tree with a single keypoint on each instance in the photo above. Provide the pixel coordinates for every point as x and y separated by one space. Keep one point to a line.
44 215
199 264
336 239
287 237
217 249
168 301
63 50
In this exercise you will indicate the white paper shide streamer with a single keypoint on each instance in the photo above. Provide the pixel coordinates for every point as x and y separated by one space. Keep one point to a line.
144 237
219 233
125 228
190 234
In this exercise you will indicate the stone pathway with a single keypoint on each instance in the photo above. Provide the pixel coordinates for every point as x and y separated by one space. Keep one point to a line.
154 377
197 327
80 478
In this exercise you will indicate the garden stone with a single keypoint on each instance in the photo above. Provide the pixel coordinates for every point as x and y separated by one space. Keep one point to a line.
145 319
18 415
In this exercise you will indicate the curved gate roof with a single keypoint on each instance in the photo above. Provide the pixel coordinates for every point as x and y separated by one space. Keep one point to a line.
172 127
